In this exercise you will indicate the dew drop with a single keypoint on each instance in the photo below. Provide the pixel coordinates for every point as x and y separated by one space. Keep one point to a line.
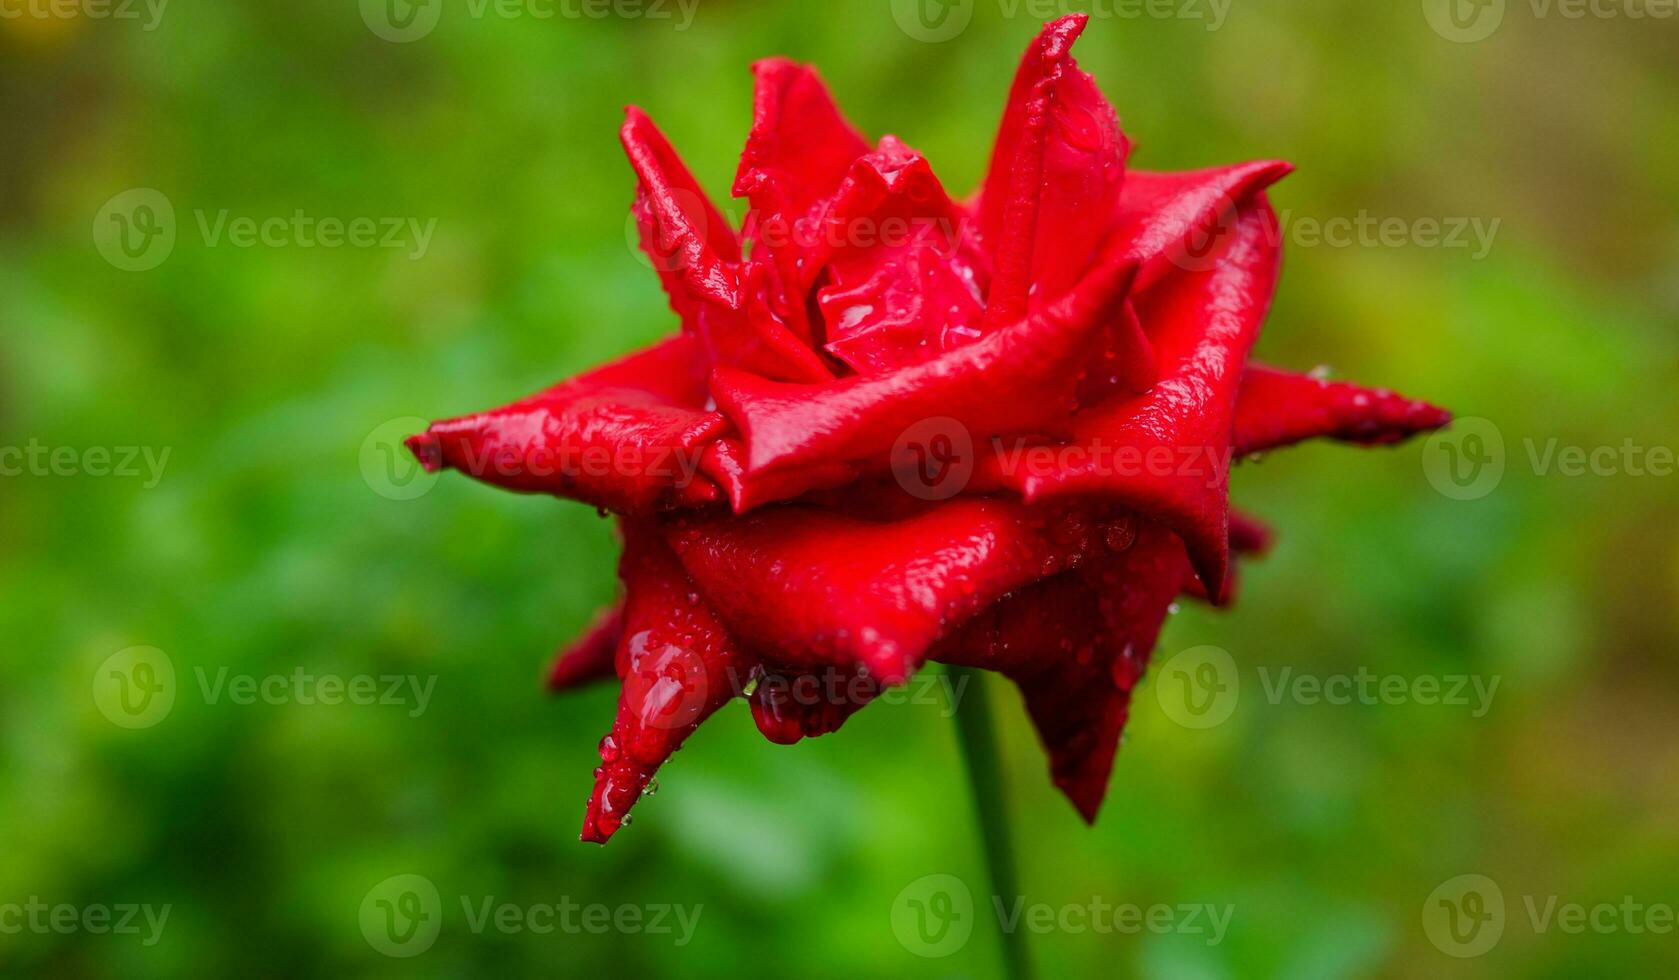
1120 536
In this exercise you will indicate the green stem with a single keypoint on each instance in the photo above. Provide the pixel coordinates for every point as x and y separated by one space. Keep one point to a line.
976 732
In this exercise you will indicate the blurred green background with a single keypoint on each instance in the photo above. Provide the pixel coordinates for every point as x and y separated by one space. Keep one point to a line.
270 374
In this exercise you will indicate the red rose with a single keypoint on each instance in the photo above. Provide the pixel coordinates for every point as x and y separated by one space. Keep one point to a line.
897 427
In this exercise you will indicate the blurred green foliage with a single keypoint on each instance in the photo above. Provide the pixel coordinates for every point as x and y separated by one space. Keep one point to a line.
263 549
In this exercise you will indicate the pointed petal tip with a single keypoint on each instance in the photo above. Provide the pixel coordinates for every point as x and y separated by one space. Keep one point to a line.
1086 796
635 117
618 787
775 64
428 449
1067 26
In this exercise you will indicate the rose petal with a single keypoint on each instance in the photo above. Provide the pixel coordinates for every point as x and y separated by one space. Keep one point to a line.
1008 381
1126 365
591 656
1248 537
1171 222
902 286
798 151
625 437
725 464
690 242
1077 645
1054 180
825 588
678 665
1277 409
727 305
1166 453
